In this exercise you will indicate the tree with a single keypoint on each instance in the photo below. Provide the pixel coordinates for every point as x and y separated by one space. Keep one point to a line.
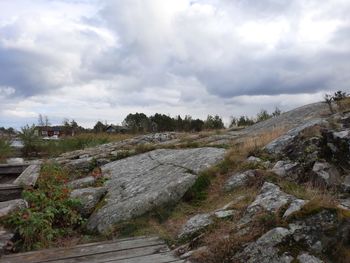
163 122
329 99
30 140
263 115
245 121
137 122
214 122
43 121
179 126
277 112
233 122
339 95
99 126
197 125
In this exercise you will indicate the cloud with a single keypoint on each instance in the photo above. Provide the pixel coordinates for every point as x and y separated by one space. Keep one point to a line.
103 59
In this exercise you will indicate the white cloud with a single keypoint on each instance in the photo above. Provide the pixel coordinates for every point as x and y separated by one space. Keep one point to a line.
99 60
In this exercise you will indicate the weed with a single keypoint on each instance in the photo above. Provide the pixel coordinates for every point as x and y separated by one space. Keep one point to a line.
146 147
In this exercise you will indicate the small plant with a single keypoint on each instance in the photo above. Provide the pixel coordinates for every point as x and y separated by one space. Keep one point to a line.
51 212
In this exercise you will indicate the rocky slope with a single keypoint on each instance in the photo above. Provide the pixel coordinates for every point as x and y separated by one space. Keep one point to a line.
290 202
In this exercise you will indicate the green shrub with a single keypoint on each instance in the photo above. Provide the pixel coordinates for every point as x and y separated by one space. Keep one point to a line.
30 140
198 191
51 213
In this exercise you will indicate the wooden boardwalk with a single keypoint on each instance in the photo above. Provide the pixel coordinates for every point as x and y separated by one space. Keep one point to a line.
131 250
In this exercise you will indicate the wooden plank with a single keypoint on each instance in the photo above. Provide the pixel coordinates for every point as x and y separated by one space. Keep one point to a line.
10 192
8 169
29 176
88 249
155 258
114 255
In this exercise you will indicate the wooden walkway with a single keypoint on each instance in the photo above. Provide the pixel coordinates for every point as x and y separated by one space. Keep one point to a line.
131 250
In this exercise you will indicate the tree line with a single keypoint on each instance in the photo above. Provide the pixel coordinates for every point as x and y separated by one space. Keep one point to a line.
244 121
140 123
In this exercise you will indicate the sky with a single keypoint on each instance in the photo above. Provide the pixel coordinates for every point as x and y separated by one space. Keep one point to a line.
91 60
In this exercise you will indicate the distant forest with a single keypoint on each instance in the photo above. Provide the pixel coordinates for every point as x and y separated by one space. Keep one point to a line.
141 123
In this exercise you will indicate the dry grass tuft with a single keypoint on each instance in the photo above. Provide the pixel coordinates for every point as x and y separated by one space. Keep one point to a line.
256 141
343 105
314 131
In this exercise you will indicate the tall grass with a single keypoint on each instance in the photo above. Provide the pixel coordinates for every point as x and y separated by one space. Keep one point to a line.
53 148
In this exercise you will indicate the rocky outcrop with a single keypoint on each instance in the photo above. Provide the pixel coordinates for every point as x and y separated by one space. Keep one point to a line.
143 182
307 258
286 169
279 144
315 234
102 154
196 224
295 206
239 180
270 199
89 198
265 249
326 174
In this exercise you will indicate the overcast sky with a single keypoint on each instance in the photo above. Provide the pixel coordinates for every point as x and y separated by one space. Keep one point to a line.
92 60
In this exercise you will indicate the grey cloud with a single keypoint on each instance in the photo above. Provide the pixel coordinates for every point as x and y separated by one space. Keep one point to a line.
196 50
25 71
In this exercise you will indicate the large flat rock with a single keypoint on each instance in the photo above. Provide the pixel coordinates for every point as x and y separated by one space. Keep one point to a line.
144 182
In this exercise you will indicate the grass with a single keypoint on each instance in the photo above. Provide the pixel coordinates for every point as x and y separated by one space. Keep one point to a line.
343 105
54 148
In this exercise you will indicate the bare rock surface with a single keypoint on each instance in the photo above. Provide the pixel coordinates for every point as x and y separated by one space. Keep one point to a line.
200 222
143 182
285 168
81 159
270 199
295 206
238 180
196 224
326 173
82 182
307 258
89 198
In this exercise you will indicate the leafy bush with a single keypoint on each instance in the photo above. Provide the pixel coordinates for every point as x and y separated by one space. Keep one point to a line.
51 213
